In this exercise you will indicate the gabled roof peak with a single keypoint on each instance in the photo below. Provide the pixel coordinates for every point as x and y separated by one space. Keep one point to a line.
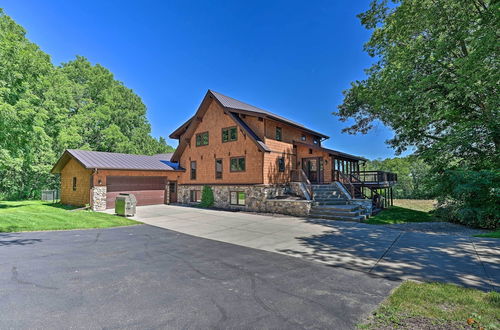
234 104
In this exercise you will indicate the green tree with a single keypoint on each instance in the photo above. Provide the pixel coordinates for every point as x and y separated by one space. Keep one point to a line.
415 177
435 83
45 109
435 80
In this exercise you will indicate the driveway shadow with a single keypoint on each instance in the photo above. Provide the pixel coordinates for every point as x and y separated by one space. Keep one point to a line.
7 239
398 254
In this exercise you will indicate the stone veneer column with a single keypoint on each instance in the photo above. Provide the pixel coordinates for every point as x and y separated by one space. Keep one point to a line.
99 198
167 193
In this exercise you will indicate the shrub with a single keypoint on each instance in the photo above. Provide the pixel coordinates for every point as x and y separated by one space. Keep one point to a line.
207 197
470 198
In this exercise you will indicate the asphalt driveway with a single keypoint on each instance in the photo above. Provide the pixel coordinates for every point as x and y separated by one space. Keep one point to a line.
145 277
446 253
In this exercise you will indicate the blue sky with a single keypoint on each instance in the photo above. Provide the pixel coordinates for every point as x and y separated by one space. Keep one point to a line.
290 57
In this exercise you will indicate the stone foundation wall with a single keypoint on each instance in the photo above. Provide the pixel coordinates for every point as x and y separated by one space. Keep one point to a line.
98 196
259 198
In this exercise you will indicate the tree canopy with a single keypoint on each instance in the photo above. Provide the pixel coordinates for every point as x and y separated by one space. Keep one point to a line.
435 83
435 80
45 109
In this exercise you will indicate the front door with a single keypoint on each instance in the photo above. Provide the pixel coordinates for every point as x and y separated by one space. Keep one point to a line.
312 168
172 186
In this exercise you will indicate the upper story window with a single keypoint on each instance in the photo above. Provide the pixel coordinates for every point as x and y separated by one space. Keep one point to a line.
74 183
229 134
316 140
281 164
303 137
218 168
237 164
202 139
279 134
193 170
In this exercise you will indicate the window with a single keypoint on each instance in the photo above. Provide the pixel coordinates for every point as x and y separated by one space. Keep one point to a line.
229 134
316 141
279 136
202 139
218 168
74 184
237 198
281 164
237 164
303 137
195 196
193 170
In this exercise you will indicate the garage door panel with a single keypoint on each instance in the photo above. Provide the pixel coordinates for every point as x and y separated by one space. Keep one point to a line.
147 190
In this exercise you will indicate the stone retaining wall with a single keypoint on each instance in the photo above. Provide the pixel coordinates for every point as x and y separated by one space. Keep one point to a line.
259 198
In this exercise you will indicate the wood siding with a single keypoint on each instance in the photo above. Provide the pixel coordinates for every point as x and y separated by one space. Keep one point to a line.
81 195
289 133
213 121
303 152
270 169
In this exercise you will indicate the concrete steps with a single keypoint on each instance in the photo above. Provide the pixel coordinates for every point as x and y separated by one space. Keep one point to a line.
331 204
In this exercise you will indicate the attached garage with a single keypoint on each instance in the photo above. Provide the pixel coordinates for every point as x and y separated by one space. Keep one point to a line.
148 190
96 178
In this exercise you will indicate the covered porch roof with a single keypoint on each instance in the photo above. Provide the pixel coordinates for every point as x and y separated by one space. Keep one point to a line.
331 152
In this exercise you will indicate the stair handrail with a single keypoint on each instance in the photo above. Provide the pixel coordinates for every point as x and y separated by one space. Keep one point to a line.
301 176
342 178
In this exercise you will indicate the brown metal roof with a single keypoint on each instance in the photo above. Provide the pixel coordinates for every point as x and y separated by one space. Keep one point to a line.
116 161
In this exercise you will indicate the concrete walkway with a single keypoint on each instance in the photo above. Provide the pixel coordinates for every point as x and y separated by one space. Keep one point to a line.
379 250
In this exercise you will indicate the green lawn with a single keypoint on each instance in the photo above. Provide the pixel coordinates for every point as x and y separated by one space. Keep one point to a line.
37 215
430 305
493 234
404 210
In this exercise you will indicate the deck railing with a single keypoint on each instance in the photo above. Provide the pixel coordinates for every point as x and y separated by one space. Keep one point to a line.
376 177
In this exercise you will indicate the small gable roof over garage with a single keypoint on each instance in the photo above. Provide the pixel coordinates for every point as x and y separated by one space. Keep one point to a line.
116 161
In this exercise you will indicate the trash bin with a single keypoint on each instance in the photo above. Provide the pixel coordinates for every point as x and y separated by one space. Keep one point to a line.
125 205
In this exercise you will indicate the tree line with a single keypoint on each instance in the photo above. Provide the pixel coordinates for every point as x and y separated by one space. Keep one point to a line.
435 81
45 109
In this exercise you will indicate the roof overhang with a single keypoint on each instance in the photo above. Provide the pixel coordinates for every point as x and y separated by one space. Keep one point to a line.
332 152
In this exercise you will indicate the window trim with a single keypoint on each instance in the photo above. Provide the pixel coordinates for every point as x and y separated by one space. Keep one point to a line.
280 130
191 176
229 134
200 134
238 157
74 183
237 192
221 169
196 194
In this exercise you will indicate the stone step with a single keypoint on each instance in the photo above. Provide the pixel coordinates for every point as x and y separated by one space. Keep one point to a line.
345 207
331 202
359 218
326 199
